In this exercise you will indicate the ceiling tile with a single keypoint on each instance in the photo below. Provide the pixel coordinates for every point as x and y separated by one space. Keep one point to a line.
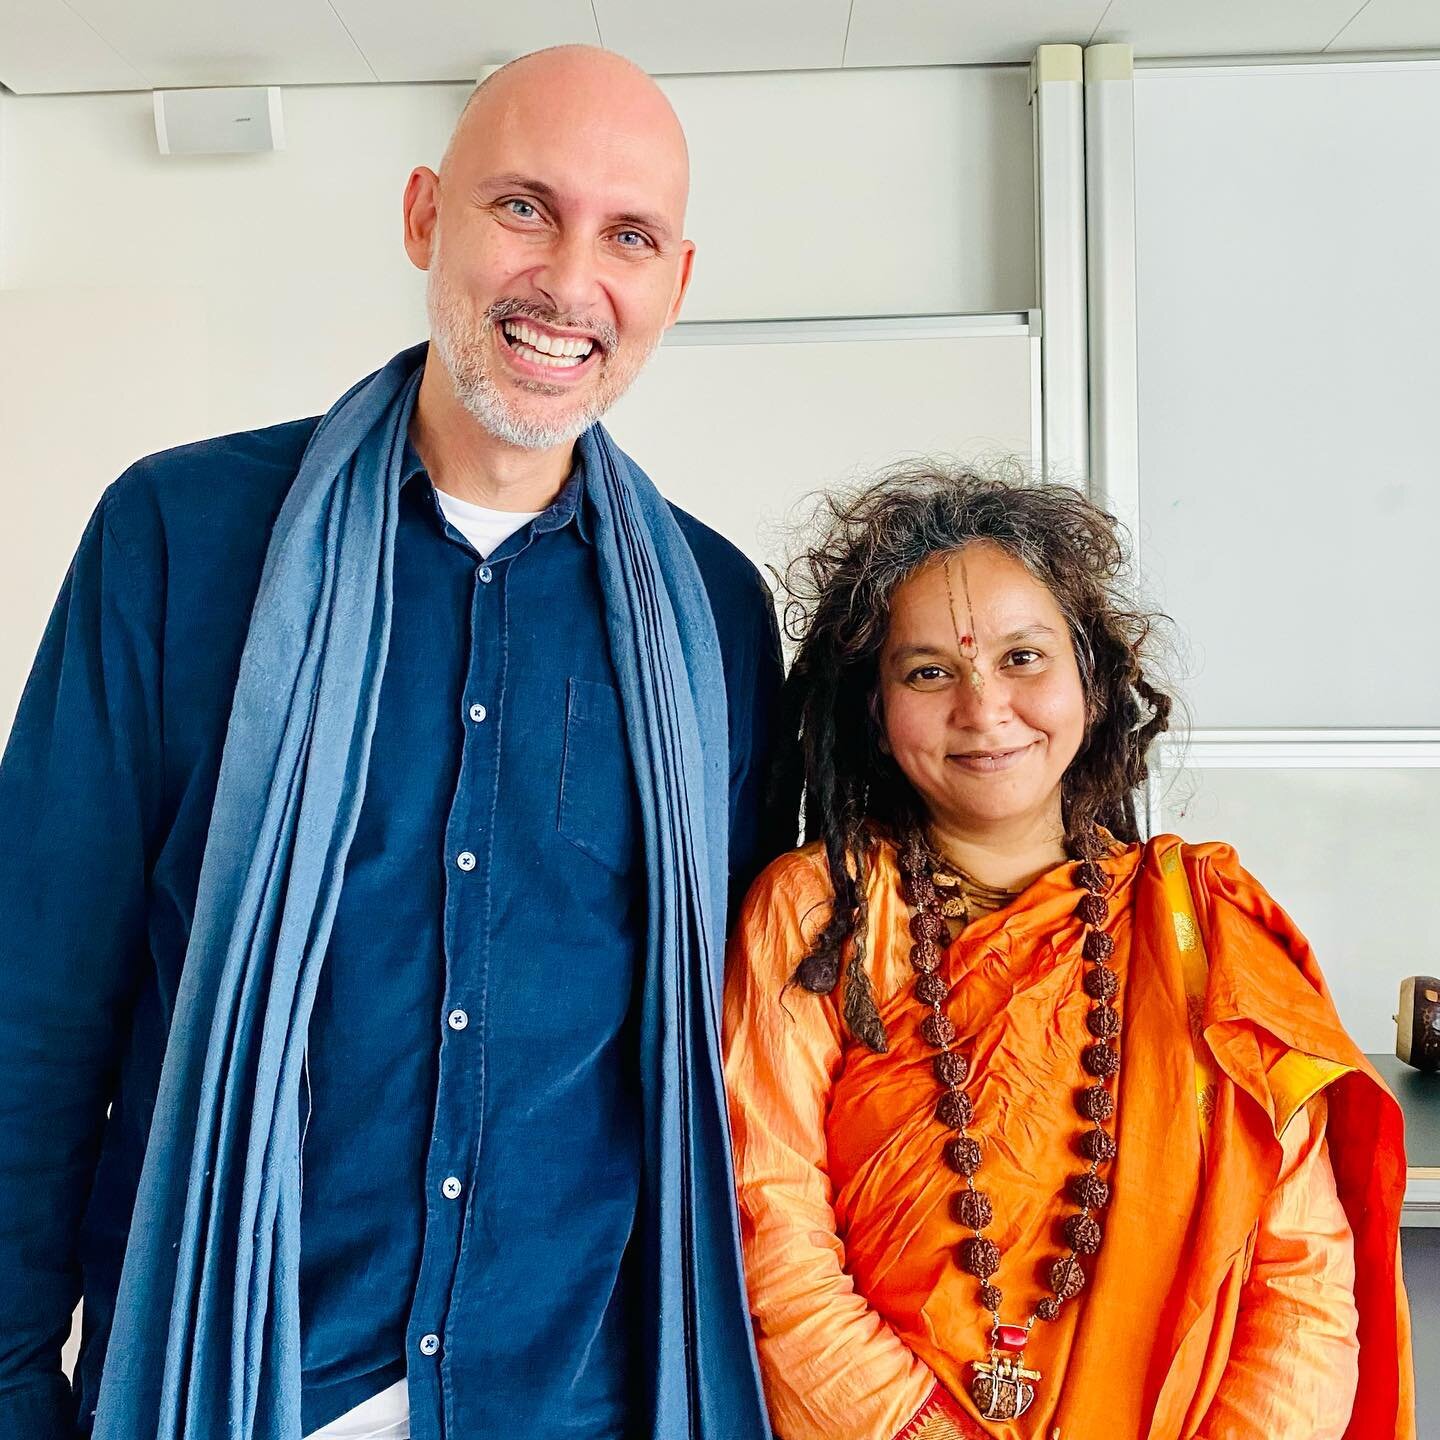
211 42
458 39
978 32
715 35
46 47
1392 25
1225 27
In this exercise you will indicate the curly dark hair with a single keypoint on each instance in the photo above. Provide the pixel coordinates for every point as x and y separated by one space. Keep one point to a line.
832 779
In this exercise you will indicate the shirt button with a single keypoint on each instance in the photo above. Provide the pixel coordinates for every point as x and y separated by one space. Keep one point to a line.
486 574
450 1188
465 860
457 1019
477 713
429 1344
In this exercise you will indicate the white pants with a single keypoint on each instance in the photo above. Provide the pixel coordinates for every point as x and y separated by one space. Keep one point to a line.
385 1416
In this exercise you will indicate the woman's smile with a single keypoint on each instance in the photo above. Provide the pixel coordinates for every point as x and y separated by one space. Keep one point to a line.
993 762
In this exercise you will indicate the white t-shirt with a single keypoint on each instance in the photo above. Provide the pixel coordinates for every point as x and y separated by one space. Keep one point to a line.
486 530
385 1416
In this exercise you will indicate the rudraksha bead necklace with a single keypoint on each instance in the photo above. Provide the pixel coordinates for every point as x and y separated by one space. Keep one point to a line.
1002 1387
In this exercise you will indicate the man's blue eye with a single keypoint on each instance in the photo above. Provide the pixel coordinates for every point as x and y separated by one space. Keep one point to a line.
632 239
523 208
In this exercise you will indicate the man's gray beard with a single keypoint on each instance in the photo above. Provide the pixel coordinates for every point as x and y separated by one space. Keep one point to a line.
461 347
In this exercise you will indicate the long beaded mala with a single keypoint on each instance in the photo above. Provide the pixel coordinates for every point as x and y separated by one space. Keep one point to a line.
1001 1386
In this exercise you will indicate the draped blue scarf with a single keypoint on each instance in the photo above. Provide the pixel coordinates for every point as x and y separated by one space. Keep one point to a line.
206 1337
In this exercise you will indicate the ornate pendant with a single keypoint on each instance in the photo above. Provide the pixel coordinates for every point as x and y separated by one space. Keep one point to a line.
953 905
1001 1387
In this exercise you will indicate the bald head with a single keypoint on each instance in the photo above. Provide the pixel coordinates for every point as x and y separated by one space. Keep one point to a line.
593 87
554 235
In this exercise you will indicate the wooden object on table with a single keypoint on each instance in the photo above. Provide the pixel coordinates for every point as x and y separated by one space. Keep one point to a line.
1417 1025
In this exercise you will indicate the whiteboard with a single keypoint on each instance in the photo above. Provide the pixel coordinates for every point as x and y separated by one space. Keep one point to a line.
737 433
1289 304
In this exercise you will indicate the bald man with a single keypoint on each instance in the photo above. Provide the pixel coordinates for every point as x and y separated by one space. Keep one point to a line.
437 1152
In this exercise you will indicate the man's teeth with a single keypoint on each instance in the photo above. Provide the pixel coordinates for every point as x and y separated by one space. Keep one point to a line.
541 349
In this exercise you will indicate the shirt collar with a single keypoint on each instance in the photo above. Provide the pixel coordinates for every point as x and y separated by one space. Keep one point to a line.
570 504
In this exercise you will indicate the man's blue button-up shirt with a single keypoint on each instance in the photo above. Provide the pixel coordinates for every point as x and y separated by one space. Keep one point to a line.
471 1158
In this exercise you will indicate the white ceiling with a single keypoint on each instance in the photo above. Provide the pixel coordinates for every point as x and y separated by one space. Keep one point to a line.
50 46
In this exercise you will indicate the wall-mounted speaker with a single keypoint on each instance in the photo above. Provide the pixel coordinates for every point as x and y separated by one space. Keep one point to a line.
232 121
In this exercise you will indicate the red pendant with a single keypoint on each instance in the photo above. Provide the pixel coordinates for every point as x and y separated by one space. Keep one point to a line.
1010 1337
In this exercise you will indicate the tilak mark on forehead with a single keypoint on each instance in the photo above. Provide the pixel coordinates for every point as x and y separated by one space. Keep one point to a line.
965 642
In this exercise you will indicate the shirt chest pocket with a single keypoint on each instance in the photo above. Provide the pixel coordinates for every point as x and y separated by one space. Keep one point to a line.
599 810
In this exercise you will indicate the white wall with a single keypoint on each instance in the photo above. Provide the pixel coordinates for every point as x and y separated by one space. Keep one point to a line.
147 300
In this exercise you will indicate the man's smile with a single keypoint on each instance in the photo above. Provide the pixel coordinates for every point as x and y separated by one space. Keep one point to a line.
538 352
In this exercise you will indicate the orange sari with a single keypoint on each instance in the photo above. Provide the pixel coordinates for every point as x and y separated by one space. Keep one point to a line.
1248 1283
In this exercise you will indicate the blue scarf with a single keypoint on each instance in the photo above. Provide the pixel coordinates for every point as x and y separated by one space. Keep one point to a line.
206 1336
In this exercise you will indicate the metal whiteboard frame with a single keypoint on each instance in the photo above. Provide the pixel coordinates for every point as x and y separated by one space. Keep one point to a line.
832 329
1357 60
1260 749
1058 119
1315 749
1114 391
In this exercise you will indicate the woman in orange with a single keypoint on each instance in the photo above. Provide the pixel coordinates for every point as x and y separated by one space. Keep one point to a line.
1040 1131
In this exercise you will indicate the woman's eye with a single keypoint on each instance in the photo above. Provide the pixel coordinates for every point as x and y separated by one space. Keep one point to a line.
1022 658
927 672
